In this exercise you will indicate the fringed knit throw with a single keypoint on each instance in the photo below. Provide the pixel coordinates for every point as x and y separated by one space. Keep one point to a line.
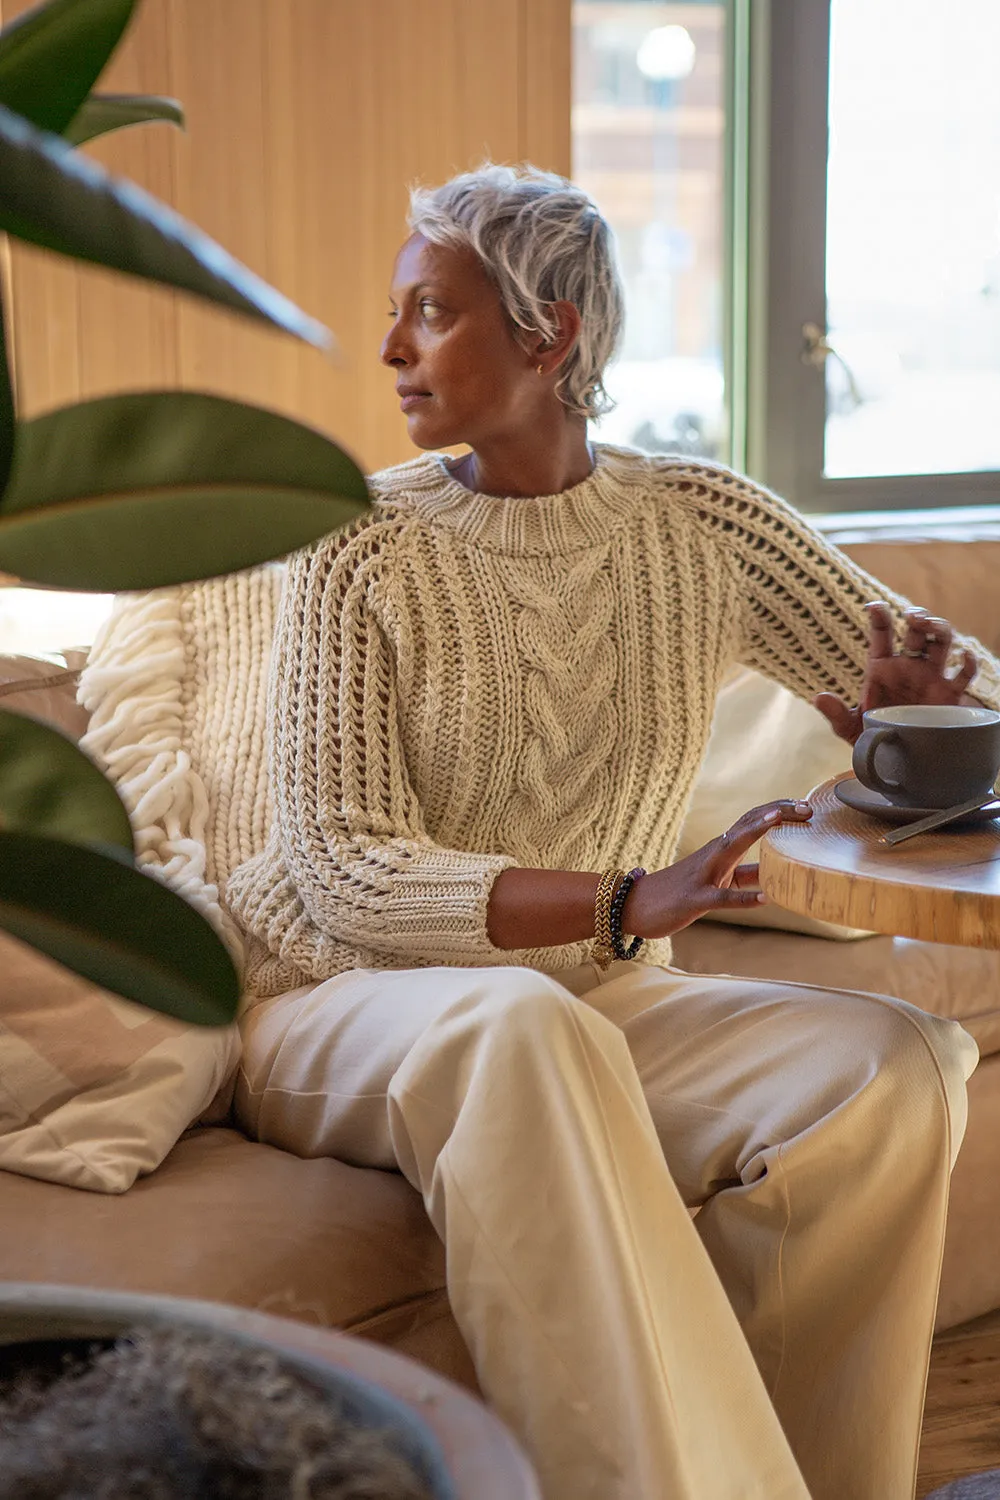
176 685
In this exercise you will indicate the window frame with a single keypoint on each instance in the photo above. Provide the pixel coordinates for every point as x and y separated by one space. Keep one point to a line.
777 97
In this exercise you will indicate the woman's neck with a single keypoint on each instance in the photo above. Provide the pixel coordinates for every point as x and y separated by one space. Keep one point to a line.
525 470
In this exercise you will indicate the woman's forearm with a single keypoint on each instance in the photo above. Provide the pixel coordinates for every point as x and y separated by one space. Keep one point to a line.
549 908
541 908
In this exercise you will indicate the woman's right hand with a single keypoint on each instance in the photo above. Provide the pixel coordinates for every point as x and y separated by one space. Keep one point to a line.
710 879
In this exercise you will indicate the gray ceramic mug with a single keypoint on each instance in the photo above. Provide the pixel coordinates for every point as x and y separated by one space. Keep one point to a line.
929 755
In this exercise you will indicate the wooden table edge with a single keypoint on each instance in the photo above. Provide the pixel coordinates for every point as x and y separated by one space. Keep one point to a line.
894 907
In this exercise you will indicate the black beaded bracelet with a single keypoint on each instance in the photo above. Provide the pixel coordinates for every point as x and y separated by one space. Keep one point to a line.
617 907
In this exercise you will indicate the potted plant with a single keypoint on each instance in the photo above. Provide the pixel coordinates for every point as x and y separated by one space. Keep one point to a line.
132 491
135 492
109 1396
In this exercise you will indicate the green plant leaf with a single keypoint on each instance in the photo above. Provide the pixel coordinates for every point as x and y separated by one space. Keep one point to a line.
53 54
142 490
49 787
102 113
50 195
112 924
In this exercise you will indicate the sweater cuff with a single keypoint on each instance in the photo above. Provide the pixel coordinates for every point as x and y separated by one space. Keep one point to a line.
437 909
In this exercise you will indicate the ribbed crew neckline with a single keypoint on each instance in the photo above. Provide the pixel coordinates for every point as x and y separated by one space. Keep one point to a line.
571 521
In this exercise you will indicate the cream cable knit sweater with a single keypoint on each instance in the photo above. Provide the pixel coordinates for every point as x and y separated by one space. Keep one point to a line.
462 683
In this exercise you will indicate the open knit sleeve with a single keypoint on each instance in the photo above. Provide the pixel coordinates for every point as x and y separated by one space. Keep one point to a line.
804 621
359 866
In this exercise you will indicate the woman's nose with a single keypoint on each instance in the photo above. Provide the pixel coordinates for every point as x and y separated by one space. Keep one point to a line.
392 351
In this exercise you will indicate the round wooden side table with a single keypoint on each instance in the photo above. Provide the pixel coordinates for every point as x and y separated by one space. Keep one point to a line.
943 887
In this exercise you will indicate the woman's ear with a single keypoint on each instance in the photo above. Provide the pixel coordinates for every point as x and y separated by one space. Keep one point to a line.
548 354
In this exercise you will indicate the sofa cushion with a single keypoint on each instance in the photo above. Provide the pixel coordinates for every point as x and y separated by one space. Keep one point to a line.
765 744
948 567
44 688
231 1220
93 1090
960 983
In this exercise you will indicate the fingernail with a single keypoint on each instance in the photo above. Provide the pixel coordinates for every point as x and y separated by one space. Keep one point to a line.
802 807
761 898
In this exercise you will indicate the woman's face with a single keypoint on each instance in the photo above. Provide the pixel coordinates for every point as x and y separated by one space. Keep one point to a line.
461 375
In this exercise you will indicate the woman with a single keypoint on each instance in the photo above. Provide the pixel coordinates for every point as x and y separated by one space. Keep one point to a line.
488 693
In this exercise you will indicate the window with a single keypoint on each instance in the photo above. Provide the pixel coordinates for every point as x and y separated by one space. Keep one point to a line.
648 141
913 239
878 368
807 197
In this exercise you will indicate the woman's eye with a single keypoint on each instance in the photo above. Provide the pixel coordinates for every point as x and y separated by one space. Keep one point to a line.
428 308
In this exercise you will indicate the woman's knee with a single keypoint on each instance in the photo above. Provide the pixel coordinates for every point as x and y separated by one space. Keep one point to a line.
921 1057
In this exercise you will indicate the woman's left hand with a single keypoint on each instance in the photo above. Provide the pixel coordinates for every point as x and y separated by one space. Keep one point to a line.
916 674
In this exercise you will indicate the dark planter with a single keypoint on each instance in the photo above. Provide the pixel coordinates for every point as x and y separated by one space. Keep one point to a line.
458 1447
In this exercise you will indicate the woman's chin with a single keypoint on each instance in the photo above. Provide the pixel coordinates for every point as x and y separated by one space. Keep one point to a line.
427 434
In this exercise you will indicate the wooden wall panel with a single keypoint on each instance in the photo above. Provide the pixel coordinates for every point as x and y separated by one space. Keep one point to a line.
219 52
307 121
81 330
546 83
127 333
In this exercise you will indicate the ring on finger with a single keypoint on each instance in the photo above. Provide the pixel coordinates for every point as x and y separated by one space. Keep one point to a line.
913 655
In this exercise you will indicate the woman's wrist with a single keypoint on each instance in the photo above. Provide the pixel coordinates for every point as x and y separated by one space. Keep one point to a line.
551 908
541 908
636 917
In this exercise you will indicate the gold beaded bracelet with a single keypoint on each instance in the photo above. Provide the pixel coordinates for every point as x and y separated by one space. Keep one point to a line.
603 951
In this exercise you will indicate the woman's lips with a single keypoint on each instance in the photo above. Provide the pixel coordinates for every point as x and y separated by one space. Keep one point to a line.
408 402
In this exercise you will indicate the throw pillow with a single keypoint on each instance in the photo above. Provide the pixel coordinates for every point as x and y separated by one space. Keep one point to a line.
95 1090
765 744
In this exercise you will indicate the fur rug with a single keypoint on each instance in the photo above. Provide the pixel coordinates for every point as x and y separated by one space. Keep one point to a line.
973 1487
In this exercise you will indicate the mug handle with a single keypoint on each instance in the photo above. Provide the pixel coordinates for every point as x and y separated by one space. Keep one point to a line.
863 759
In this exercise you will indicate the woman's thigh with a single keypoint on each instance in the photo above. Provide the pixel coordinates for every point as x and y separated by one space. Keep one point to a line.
318 1062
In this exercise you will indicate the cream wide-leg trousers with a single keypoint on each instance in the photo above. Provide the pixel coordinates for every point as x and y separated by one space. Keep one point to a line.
559 1130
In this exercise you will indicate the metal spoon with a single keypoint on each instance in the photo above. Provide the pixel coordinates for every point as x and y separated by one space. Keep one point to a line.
939 819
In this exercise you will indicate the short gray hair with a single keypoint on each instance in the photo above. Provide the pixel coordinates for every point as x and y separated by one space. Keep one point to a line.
541 240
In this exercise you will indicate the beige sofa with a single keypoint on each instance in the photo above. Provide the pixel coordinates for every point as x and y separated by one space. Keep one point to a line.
234 1221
